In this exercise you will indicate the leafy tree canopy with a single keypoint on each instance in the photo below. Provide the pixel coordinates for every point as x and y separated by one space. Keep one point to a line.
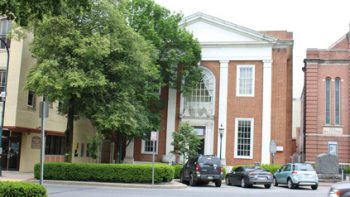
26 11
179 52
97 66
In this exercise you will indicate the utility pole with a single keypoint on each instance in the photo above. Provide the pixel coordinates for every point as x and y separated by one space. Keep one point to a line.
43 114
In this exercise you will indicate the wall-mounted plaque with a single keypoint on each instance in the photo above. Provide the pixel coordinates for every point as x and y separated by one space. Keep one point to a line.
36 142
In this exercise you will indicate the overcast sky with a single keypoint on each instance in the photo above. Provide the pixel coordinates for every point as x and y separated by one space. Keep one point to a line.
315 23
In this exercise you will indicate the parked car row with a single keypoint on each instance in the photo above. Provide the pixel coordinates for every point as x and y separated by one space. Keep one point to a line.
207 168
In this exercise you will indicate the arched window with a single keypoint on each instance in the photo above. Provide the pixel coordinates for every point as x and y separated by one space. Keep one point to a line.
328 100
200 103
337 100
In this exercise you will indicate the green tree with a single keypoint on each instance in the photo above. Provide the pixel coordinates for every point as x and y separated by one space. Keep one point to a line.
94 143
96 66
24 12
179 51
185 141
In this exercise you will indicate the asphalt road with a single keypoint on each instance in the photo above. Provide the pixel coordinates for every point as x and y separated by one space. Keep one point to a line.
58 190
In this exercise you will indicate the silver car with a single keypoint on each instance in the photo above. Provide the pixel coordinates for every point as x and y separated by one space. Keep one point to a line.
296 174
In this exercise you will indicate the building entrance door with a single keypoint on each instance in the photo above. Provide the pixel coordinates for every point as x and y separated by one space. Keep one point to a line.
11 146
201 134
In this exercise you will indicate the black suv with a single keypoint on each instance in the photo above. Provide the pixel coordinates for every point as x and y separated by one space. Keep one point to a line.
202 169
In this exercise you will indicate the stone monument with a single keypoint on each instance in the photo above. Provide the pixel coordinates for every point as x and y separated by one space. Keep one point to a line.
327 168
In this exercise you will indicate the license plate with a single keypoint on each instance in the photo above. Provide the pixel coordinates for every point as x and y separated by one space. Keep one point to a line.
210 177
262 178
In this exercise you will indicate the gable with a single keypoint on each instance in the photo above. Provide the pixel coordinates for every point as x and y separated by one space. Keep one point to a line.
342 43
209 29
205 31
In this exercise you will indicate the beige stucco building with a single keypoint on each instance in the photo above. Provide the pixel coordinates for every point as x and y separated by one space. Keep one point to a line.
21 135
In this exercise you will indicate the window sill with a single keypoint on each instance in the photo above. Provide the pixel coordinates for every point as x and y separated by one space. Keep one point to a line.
240 157
149 153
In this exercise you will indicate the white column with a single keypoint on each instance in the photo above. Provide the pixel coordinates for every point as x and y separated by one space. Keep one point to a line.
129 153
170 124
223 107
266 119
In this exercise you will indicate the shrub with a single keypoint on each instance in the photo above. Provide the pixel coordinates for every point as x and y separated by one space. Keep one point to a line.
126 173
271 167
8 189
268 167
177 169
347 170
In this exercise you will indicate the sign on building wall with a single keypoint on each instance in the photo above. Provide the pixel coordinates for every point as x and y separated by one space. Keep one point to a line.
332 130
36 142
333 148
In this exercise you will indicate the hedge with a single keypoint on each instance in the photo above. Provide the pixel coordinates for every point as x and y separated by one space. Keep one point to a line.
177 169
126 173
268 167
271 167
12 189
347 169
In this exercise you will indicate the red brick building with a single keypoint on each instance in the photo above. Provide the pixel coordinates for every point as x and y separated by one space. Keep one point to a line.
325 101
246 92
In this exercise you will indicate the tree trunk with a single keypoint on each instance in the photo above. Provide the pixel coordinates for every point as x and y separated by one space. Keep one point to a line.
69 131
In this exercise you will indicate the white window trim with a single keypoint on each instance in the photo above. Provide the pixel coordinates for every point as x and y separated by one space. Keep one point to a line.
251 142
238 74
143 147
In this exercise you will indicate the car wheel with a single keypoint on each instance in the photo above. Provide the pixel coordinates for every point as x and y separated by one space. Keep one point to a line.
267 186
192 181
275 183
218 183
314 187
182 179
290 184
243 184
227 181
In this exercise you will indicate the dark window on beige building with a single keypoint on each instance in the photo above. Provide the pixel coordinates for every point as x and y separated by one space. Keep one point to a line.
31 99
54 145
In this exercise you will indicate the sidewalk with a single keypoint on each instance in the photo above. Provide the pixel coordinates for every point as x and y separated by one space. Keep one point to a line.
29 177
171 185
16 176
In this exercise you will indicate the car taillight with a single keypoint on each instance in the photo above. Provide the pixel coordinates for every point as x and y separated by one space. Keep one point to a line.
334 193
252 174
221 169
294 173
270 174
197 168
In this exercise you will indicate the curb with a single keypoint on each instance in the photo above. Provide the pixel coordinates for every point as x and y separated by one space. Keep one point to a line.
171 185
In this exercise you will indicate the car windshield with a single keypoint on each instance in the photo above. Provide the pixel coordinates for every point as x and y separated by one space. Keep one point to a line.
209 160
303 167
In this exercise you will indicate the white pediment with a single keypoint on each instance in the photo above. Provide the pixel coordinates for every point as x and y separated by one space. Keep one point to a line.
209 29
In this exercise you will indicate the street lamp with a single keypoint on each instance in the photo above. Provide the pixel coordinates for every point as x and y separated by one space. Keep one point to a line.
221 131
3 95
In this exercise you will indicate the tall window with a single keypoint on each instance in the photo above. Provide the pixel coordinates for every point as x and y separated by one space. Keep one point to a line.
245 80
31 99
200 103
337 101
244 134
5 28
328 100
2 80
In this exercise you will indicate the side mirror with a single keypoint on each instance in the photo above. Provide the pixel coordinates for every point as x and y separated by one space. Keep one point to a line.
279 170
